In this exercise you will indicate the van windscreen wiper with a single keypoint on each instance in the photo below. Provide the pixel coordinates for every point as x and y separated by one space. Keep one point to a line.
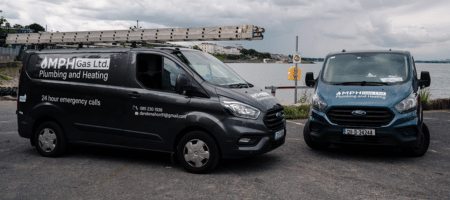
362 83
239 85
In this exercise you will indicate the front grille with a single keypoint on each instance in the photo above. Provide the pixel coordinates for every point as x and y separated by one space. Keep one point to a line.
359 139
273 122
375 117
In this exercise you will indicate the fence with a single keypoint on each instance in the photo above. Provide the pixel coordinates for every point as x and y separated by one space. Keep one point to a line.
10 51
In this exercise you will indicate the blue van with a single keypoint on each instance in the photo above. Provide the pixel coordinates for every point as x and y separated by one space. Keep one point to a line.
368 98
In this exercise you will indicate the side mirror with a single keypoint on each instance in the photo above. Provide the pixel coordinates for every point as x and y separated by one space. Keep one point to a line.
309 79
425 79
181 83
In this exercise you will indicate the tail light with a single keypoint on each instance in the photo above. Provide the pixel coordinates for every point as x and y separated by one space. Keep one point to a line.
18 85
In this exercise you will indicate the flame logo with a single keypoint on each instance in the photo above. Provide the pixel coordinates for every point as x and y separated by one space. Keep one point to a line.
44 63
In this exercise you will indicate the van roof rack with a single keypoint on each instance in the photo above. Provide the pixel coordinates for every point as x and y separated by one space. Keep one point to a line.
140 36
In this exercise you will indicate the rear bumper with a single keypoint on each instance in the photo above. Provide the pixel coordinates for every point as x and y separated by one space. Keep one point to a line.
402 131
25 126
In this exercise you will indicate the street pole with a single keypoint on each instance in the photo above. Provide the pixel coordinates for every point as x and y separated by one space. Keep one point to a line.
295 70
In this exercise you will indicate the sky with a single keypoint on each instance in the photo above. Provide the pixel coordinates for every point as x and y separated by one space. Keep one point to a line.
323 26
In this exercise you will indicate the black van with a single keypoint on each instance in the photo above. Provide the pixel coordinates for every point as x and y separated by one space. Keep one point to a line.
179 101
368 98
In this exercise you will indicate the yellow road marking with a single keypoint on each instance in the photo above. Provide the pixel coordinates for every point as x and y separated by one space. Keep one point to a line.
295 123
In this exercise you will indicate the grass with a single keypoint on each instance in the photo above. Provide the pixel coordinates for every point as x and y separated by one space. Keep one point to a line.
304 96
4 77
293 112
425 95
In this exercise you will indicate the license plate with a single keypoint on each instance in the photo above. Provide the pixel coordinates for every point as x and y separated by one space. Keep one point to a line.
279 134
359 132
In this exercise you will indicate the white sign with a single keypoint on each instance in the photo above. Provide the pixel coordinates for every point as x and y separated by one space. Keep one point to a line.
297 57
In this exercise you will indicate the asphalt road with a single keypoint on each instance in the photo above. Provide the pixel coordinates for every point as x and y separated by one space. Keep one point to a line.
292 171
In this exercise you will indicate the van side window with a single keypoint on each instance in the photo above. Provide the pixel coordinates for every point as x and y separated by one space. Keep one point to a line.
157 72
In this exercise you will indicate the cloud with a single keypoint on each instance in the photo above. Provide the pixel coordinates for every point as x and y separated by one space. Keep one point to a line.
322 25
381 33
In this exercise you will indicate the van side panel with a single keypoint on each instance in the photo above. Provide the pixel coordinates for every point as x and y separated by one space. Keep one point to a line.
85 89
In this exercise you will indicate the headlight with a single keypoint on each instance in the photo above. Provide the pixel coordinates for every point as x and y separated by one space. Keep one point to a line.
408 104
318 104
240 109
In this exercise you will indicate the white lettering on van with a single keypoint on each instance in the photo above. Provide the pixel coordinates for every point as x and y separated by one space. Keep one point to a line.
361 94
52 62
261 96
76 63
61 62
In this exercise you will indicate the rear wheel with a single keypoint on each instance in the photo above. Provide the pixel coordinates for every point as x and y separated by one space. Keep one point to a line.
422 144
310 143
49 139
198 152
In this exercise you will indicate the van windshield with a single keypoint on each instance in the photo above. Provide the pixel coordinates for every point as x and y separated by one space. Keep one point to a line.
211 69
356 68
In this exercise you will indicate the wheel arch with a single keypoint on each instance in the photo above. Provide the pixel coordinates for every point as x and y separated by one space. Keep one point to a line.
40 120
189 129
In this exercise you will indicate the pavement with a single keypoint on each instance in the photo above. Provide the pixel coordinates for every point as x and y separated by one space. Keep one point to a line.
293 171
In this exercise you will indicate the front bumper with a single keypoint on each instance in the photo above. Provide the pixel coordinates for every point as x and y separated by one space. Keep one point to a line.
402 131
266 144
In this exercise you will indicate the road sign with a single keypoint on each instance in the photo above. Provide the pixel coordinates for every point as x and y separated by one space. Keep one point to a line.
297 57
291 73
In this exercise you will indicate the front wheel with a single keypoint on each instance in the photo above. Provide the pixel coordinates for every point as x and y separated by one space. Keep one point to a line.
310 143
198 152
422 144
49 139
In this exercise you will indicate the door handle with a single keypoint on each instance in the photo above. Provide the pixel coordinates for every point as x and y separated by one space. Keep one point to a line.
134 95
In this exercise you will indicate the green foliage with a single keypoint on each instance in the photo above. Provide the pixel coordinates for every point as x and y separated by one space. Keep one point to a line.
425 95
437 104
36 27
304 97
229 57
196 47
300 112
4 77
254 53
2 20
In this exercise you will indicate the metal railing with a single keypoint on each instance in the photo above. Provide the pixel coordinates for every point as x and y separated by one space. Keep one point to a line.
274 88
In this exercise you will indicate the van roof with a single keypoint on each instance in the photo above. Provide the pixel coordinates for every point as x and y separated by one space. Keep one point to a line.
370 51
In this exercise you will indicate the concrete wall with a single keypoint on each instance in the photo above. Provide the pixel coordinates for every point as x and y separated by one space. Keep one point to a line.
4 58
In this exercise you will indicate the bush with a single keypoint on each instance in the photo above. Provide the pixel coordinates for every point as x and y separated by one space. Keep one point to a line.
436 104
304 96
425 95
301 112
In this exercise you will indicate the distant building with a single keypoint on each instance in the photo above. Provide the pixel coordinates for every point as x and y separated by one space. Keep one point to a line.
218 49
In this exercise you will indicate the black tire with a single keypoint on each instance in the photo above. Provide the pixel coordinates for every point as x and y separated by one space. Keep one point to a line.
310 143
194 160
50 140
422 145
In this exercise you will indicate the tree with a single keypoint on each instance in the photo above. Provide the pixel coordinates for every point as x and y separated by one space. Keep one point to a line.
196 47
36 27
17 25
